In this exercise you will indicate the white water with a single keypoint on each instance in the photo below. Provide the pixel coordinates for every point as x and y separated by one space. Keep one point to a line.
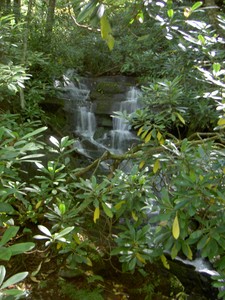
121 135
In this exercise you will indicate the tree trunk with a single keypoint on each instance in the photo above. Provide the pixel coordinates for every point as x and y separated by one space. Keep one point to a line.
50 21
25 46
16 9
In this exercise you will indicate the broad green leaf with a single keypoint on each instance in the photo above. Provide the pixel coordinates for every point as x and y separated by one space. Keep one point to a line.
176 228
14 279
5 253
187 250
107 210
15 293
170 13
165 262
2 274
201 39
8 234
54 141
174 251
216 67
196 5
21 247
6 208
64 232
35 132
41 237
44 230
62 208
96 214
203 241
156 166
140 258
132 263
87 11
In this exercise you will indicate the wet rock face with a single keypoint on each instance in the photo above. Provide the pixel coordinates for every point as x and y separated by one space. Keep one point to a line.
105 93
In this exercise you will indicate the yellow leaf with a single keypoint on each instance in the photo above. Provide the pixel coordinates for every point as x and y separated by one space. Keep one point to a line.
140 131
106 32
176 228
88 262
141 165
165 262
143 134
159 135
148 137
119 204
59 245
187 12
76 238
110 42
38 204
96 214
224 170
156 166
221 122
190 254
140 258
180 118
134 216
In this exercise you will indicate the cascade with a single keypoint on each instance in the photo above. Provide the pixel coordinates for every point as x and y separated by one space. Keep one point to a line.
76 96
122 137
85 119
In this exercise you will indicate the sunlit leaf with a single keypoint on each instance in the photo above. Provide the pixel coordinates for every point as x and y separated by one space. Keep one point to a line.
176 228
8 234
148 137
2 274
119 204
196 5
107 210
96 214
20 248
35 132
180 118
140 131
134 216
165 262
141 165
14 279
156 166
140 258
221 122
170 13
106 32
44 230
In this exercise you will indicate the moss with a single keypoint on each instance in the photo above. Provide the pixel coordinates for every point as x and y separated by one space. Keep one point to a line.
109 88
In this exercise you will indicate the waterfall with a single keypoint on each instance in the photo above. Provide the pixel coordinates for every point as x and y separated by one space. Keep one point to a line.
122 137
76 95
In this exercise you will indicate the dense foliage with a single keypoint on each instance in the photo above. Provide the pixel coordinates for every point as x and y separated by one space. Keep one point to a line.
172 200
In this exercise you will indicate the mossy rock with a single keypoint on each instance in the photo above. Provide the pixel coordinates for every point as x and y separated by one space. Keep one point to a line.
109 88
